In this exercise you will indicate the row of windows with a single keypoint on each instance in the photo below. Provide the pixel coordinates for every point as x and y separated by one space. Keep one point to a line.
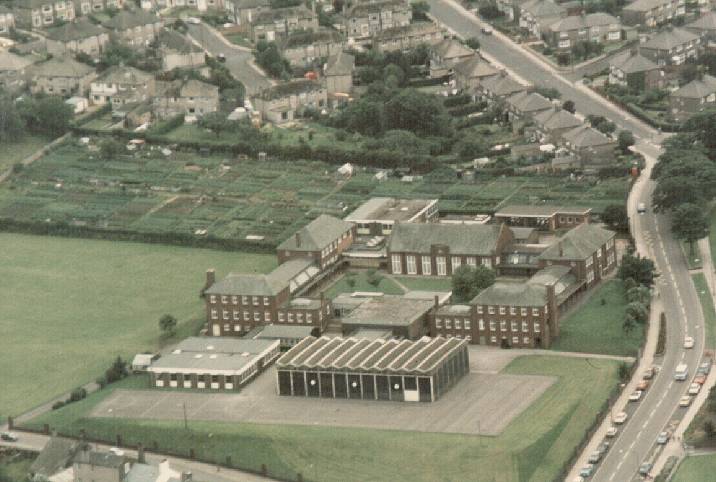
440 263
247 316
526 340
245 300
289 317
491 310
514 326
334 245
465 323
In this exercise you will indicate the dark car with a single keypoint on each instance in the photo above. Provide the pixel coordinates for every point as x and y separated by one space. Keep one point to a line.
8 437
645 468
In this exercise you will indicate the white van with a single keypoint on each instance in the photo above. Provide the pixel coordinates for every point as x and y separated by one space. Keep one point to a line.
682 371
641 208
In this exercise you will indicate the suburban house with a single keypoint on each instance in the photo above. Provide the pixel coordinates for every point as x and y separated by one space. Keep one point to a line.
377 216
439 249
445 54
597 27
86 7
12 70
407 37
550 125
60 76
243 11
74 37
498 86
121 85
323 240
306 47
470 72
651 13
523 106
543 217
705 27
7 20
537 15
590 146
191 98
671 47
286 101
177 51
366 18
696 96
339 73
636 72
276 24
134 27
32 14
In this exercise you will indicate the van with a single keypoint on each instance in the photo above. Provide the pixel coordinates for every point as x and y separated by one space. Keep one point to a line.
641 208
682 371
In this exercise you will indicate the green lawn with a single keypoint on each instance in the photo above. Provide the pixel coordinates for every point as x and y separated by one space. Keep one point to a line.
692 255
17 151
426 283
707 305
386 285
70 306
696 468
14 466
596 326
533 447
238 39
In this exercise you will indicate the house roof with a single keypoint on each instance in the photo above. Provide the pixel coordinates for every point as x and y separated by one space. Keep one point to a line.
342 63
669 38
543 8
586 136
645 5
450 48
12 62
512 294
557 119
99 459
697 88
578 243
270 16
187 88
576 22
365 8
302 38
707 21
123 74
241 4
269 284
417 28
474 67
633 62
468 239
63 66
501 85
521 210
529 102
55 456
173 40
126 19
285 89
78 30
317 234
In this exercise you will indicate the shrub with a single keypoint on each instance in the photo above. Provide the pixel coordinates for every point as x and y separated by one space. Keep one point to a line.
77 395
58 404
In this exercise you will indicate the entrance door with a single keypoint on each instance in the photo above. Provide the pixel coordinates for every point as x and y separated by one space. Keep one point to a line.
215 330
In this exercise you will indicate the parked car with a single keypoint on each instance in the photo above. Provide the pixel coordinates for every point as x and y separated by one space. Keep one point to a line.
642 385
594 457
648 373
685 401
663 437
641 208
193 20
645 468
705 367
8 437
635 396
221 57
487 30
587 470
620 418
689 342
694 389
700 379
612 431
603 447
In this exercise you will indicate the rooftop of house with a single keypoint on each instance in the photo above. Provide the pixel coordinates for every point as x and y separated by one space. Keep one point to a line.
475 67
32 4
129 19
390 209
632 63
417 28
79 29
57 453
187 88
302 38
557 118
706 21
4 9
360 354
576 22
586 136
13 62
501 85
341 63
173 40
269 284
529 102
242 4
578 243
509 293
697 88
270 16
99 459
124 74
62 66
316 235
670 38
543 8
365 7
467 239
543 210
451 49
646 5
286 89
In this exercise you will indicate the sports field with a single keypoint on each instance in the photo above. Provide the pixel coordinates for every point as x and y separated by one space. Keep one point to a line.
70 306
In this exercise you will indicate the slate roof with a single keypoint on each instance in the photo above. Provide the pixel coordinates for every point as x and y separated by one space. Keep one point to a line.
55 456
173 40
99 459
521 210
187 88
543 8
60 67
529 102
475 67
412 29
317 234
707 21
301 38
12 62
632 63
586 136
78 30
340 64
557 119
645 5
670 38
578 244
697 88
450 48
123 74
285 89
501 85
270 16
512 294
127 19
468 239
269 284
576 22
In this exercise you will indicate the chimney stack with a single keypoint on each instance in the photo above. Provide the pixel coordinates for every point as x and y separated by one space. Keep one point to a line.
437 302
210 277
561 251
298 239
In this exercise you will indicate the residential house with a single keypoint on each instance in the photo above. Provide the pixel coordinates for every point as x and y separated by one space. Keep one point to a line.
705 27
121 85
470 72
551 124
60 76
590 146
286 101
134 27
191 98
54 458
523 106
597 27
407 37
439 249
366 18
445 54
378 215
7 20
651 13
671 47
498 87
33 14
323 240
543 217
510 8
12 70
276 24
304 48
87 7
91 465
636 72
243 11
74 37
696 96
178 52
339 73
537 15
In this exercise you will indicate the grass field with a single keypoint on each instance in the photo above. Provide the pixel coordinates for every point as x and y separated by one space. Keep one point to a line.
14 466
425 283
696 468
693 256
386 285
707 306
17 151
532 448
596 326
70 306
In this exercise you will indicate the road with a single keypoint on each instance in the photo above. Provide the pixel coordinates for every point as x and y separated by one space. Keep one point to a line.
676 292
239 60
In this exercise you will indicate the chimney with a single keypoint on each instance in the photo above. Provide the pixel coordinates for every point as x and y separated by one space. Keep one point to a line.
561 251
210 278
298 239
186 477
437 302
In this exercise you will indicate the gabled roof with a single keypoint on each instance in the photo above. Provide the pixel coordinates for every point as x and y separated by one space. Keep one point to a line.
502 85
670 38
99 459
468 239
78 30
126 19
578 244
707 21
697 88
645 5
364 8
317 234
122 74
543 8
632 63
12 62
55 456
557 119
173 40
270 16
513 294
301 38
449 49
586 136
576 22
529 102
285 89
474 67
63 66
340 64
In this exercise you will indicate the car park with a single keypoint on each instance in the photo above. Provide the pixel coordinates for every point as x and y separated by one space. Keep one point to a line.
612 431
663 437
645 468
620 418
700 379
635 396
594 457
685 401
689 342
8 437
694 389
587 470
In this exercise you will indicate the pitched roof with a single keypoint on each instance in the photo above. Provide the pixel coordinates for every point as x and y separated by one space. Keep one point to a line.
247 285
586 136
417 28
301 38
669 38
270 16
340 64
186 88
285 89
529 102
12 62
645 5
317 234
122 74
55 456
632 63
63 66
365 8
475 67
578 243
78 30
126 19
173 40
576 22
543 8
501 85
512 294
469 239
697 88
707 21
449 48
557 119
241 4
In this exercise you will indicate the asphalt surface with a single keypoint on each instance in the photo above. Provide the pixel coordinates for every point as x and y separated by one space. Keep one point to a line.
659 406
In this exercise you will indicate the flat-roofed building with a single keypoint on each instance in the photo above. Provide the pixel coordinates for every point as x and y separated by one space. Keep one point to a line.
363 369
378 215
213 363
287 335
545 217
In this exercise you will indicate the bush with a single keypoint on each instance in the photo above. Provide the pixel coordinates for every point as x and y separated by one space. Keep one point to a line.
58 404
457 100
77 395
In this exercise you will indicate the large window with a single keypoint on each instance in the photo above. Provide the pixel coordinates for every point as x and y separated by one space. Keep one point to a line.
427 265
396 264
442 265
456 262
412 266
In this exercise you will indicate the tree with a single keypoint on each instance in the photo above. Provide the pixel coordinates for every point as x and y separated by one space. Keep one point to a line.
473 43
420 10
167 324
373 278
672 192
117 371
489 11
607 127
625 140
703 126
639 269
637 311
420 113
569 106
616 218
623 371
269 58
689 224
46 115
639 294
470 148
11 123
110 149
215 122
469 281
364 116
628 325
550 92
709 429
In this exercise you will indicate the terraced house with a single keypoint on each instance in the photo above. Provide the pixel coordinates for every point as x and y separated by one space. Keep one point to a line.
276 24
191 98
407 37
307 48
177 51
62 76
134 27
33 14
445 54
550 125
597 27
498 86
523 106
651 13
120 85
86 7
537 15
671 47
364 19
75 37
286 101
696 96
589 146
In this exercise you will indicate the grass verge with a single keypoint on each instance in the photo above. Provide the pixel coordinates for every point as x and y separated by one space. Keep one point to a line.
425 283
707 306
692 256
696 468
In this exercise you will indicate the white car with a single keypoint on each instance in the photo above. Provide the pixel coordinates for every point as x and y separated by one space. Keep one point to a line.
689 342
694 389
612 431
685 401
620 418
636 396
193 20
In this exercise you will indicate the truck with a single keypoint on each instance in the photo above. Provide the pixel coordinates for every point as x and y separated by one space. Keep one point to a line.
681 372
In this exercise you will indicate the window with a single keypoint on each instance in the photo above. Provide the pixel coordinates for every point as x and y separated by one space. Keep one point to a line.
468 337
246 316
266 300
396 264
526 340
438 322
255 300
515 340
234 300
479 310
237 315
513 326
214 315
487 262
257 316
442 267
590 276
237 327
290 317
535 311
225 314
309 318
466 323
244 300
280 316
493 339
299 317
537 328
502 310
427 268
589 261
513 310
525 327
493 325
448 323
471 261
267 316
224 299
481 324
456 262
503 325
491 310
458 325
523 311
212 299
412 266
